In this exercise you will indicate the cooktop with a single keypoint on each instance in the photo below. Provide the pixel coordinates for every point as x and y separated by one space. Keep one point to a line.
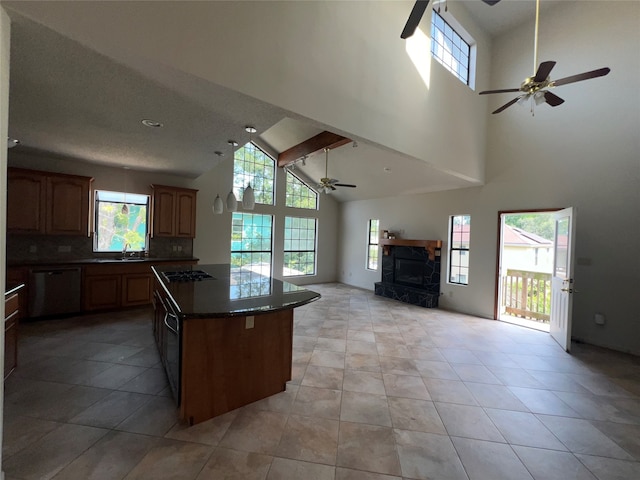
186 276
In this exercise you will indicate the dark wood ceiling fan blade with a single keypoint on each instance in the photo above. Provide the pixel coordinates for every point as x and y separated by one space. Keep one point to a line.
552 99
506 105
504 90
414 18
345 185
601 72
491 2
544 69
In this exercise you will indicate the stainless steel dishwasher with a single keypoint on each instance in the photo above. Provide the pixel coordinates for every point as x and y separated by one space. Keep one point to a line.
54 291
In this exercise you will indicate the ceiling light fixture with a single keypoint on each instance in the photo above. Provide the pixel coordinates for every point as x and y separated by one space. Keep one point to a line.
152 123
218 206
248 196
232 201
12 142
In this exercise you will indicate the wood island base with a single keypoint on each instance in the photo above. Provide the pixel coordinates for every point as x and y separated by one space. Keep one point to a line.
233 361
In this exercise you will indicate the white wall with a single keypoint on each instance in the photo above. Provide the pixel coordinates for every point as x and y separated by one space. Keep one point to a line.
342 64
584 153
5 30
213 236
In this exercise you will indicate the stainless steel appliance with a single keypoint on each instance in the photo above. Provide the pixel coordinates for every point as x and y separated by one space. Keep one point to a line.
170 341
54 291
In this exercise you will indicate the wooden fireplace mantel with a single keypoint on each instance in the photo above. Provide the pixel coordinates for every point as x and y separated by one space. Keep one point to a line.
429 245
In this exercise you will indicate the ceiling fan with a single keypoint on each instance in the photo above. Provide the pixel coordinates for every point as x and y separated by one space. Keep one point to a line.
416 15
535 87
327 185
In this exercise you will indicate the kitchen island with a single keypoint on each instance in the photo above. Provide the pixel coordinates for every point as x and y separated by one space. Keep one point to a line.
224 334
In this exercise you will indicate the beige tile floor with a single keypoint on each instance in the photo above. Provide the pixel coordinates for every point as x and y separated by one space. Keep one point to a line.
380 390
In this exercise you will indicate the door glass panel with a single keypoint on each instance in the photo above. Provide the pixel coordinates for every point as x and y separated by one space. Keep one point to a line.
561 262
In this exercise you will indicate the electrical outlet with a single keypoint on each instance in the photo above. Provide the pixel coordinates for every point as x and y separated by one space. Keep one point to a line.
249 322
179 248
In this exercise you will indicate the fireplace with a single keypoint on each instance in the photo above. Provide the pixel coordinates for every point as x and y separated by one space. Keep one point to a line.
410 271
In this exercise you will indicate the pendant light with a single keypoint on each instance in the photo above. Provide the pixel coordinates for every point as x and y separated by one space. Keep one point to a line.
232 202
218 206
248 197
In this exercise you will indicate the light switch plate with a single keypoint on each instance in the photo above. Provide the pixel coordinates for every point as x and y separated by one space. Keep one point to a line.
249 322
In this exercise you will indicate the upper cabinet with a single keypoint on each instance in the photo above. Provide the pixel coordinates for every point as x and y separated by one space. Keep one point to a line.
174 211
47 203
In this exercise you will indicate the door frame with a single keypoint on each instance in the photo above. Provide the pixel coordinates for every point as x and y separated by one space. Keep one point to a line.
496 293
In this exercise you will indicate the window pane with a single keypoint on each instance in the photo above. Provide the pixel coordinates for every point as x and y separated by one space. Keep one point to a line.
372 247
448 48
251 242
459 240
253 166
299 194
121 219
299 246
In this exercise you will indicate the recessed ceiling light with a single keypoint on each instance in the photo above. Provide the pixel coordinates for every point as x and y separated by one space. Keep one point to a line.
151 123
219 153
12 142
387 169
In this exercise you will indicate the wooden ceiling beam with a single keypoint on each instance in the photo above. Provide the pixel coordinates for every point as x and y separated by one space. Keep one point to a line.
312 145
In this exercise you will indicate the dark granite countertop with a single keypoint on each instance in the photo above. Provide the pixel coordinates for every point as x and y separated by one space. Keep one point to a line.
230 292
100 260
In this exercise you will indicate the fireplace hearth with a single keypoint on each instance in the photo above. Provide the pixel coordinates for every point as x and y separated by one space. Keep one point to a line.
410 271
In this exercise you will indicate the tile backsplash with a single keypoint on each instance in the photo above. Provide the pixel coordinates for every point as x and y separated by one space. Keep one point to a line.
44 248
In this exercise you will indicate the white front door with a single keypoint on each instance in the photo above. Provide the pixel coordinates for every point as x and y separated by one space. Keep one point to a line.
562 286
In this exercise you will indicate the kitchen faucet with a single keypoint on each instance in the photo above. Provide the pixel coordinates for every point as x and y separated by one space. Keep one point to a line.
124 250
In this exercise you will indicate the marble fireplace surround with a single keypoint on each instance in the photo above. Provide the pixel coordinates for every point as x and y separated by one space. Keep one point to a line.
426 251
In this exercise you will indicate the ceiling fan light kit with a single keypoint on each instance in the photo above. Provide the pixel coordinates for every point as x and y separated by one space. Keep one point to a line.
535 88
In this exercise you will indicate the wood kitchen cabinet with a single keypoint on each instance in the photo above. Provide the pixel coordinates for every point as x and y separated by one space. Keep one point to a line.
47 203
174 211
102 291
119 284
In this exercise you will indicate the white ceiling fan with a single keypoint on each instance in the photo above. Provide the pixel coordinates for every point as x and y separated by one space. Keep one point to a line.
536 88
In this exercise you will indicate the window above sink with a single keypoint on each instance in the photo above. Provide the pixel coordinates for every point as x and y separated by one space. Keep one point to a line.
121 222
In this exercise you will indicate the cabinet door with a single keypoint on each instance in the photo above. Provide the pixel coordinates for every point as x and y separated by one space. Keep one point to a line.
25 202
67 206
186 214
164 208
102 292
137 289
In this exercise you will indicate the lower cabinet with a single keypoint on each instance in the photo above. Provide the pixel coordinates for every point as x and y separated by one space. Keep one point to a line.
11 324
102 291
117 285
137 289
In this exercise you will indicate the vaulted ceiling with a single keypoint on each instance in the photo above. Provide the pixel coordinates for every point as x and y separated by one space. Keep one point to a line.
69 100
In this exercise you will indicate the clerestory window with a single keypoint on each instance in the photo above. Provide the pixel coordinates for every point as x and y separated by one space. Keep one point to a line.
449 48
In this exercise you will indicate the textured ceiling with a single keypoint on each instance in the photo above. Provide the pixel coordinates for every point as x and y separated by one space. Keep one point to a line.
70 100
